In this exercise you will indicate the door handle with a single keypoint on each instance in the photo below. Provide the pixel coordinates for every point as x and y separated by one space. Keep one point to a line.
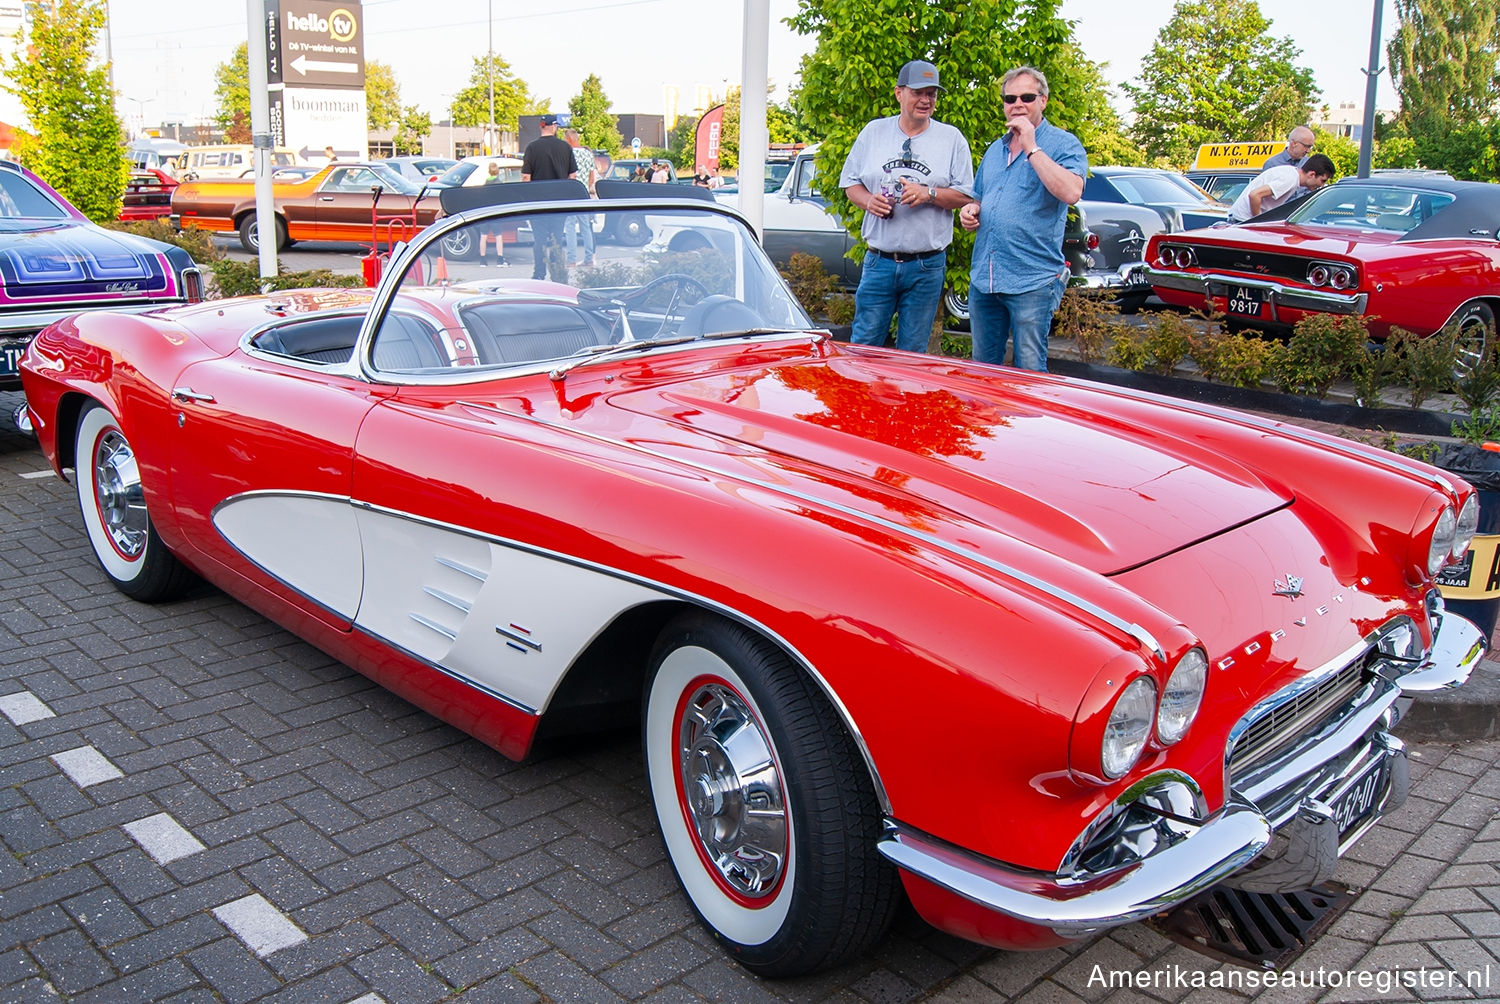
188 394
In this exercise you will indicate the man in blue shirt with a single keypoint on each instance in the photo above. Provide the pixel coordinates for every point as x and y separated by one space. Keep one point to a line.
1026 182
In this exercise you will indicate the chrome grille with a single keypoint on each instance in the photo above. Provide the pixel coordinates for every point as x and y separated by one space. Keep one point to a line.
1282 724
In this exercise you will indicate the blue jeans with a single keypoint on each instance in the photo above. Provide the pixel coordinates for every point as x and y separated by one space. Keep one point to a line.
571 228
995 317
909 290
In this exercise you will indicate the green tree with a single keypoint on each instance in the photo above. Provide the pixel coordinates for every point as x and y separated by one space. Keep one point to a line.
1342 150
78 142
592 117
410 129
1077 80
471 106
382 96
1214 75
232 91
849 78
1443 63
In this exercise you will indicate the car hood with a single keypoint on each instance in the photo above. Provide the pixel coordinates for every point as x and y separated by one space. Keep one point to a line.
926 444
77 261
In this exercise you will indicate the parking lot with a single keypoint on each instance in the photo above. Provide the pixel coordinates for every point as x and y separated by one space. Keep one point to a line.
199 806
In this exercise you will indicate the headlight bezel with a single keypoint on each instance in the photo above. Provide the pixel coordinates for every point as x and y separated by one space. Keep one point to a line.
1466 526
1440 542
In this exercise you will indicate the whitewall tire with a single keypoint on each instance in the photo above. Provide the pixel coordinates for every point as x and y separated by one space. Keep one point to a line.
765 805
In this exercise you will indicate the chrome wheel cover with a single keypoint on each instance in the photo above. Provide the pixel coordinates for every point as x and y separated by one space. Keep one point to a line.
731 791
1472 343
117 490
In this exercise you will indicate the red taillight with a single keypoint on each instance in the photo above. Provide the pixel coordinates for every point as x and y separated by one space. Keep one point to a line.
1093 241
192 285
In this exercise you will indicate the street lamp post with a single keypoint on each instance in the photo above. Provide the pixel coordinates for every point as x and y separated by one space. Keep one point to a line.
489 69
1372 76
140 113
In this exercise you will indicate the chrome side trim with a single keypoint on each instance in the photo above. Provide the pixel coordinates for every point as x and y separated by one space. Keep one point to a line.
462 569
1214 851
457 603
433 625
1131 630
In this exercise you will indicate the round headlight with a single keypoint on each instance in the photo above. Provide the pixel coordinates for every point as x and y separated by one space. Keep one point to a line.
1184 258
1181 696
1468 525
1318 275
1441 548
1129 726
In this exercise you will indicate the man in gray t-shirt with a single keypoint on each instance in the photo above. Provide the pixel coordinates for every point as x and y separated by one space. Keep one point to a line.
908 173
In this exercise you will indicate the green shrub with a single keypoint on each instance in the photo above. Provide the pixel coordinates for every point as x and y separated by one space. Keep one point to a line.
840 308
1129 350
810 283
1373 370
1236 359
1322 350
1482 426
1478 387
959 346
197 243
1088 317
1167 340
242 278
1427 363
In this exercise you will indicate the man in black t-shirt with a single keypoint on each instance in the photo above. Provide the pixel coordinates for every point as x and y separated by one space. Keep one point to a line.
547 159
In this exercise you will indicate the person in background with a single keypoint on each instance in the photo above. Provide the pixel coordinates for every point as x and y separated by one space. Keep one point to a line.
1027 180
493 178
547 158
329 155
588 174
908 172
1280 185
714 181
660 173
1299 143
700 177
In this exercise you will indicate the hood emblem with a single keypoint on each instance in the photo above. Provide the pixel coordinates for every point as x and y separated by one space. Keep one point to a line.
1291 588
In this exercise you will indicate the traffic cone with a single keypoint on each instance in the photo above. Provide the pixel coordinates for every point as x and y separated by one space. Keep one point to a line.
440 272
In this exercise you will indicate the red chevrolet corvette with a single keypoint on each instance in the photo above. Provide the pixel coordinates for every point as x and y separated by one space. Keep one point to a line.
1044 656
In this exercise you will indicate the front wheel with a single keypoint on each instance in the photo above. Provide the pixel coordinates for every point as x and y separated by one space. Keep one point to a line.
113 504
459 244
250 234
632 231
766 808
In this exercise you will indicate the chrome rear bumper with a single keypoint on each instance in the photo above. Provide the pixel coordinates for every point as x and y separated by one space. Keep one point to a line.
1277 294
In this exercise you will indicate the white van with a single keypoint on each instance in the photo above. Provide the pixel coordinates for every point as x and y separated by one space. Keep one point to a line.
161 154
234 161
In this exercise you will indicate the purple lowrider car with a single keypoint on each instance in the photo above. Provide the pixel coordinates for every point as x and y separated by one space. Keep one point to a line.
55 262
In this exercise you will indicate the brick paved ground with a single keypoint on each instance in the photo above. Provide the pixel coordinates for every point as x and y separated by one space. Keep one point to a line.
198 807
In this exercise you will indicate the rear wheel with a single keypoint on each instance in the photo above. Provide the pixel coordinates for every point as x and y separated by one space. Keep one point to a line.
632 231
459 244
957 306
113 504
765 806
1475 342
250 234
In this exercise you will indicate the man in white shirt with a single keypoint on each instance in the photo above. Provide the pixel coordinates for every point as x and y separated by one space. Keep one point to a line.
1271 188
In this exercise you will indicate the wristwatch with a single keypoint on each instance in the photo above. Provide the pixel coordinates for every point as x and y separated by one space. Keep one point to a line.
931 193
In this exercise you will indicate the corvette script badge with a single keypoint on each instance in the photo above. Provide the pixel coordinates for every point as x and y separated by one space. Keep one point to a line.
1291 588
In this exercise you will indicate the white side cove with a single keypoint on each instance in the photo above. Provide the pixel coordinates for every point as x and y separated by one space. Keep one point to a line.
501 618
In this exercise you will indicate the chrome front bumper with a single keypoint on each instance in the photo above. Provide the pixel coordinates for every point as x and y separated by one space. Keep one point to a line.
1278 295
1287 805
1126 279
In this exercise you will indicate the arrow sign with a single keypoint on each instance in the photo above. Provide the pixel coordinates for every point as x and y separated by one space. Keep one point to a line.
304 66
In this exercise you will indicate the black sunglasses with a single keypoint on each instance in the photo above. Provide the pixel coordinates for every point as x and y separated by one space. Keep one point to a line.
1010 99
906 151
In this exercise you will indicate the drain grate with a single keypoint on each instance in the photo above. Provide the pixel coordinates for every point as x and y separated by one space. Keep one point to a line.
1256 929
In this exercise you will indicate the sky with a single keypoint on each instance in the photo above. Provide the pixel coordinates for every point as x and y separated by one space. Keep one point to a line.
165 51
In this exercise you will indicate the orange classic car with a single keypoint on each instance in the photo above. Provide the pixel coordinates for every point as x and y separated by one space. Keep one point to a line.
338 203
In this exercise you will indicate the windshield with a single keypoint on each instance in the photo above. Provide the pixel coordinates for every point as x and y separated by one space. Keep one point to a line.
613 281
1371 207
1146 189
20 199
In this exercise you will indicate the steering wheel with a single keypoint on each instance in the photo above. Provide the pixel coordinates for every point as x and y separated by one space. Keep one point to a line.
636 298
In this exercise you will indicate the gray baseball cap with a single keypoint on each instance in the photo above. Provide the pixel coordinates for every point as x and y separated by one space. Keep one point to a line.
919 74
